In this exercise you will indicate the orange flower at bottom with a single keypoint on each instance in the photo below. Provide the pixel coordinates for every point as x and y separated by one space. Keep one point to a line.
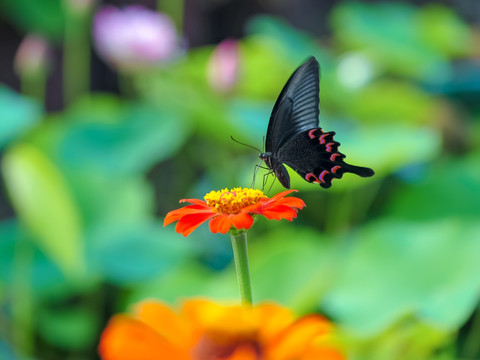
204 330
233 208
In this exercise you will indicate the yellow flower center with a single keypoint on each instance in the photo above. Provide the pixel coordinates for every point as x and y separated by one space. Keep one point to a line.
234 200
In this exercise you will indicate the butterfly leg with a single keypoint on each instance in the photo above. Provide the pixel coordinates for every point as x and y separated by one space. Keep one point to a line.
255 171
273 182
265 178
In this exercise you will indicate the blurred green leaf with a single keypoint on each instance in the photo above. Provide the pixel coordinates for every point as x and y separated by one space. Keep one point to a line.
396 269
295 45
130 253
44 276
69 329
444 30
450 187
103 199
17 115
122 139
187 280
396 47
43 202
393 102
44 17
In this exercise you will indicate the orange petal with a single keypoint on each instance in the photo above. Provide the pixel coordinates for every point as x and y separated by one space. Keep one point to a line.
294 341
188 223
126 338
242 221
244 352
273 319
194 201
278 212
165 322
221 224
177 214
292 202
279 196
202 312
324 353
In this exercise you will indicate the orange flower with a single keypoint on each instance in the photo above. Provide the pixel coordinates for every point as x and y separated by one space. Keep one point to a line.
204 330
233 208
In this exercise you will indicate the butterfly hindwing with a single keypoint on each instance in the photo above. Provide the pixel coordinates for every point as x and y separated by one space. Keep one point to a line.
296 108
314 155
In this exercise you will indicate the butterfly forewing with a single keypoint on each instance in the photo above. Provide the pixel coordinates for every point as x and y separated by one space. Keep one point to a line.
296 109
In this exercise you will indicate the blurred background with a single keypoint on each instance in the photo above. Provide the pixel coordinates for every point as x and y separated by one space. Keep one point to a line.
112 111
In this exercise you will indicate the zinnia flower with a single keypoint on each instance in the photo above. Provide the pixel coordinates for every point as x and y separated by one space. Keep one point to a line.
134 36
204 330
227 209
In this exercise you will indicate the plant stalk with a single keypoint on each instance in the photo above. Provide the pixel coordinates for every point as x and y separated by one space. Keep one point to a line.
240 253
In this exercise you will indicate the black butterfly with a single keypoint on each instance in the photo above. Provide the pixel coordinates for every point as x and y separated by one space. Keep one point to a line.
294 138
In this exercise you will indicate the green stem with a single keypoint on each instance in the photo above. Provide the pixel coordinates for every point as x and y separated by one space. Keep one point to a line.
33 85
22 304
76 55
240 253
175 9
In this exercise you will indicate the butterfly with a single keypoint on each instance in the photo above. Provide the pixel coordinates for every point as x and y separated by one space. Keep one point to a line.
295 139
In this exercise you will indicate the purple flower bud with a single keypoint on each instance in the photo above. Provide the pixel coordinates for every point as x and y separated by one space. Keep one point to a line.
133 37
223 66
33 56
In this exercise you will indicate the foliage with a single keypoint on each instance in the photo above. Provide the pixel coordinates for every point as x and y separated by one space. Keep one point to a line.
391 259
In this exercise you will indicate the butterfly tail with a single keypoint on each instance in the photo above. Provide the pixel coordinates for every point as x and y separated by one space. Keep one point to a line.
358 170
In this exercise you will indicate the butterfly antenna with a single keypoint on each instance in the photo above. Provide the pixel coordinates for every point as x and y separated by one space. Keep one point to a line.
250 146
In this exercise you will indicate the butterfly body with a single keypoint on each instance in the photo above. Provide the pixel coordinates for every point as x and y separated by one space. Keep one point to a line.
295 139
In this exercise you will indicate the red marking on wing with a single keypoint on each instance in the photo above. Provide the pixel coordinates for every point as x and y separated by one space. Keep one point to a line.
322 175
309 176
322 138
332 158
311 133
329 146
335 168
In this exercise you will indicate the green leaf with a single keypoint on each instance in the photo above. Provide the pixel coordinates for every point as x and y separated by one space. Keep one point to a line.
45 17
130 253
379 31
43 203
42 274
69 329
396 269
450 187
122 138
444 30
18 114
392 102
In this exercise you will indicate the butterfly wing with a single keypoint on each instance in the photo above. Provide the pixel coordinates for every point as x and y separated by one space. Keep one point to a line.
314 155
296 108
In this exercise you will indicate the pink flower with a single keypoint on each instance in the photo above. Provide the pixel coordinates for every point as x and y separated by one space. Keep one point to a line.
134 36
33 55
223 66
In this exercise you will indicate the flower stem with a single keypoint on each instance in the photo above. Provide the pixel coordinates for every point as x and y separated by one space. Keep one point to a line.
240 253
76 57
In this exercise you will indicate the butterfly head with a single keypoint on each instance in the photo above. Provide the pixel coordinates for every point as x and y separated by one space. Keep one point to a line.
267 158
277 167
